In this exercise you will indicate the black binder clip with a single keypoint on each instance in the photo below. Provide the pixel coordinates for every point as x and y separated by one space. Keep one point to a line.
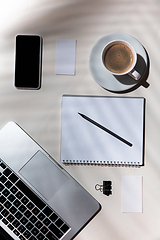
105 188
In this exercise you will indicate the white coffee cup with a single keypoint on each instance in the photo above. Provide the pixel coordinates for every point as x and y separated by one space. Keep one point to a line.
119 58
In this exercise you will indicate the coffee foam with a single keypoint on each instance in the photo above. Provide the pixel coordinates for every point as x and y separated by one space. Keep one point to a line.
118 58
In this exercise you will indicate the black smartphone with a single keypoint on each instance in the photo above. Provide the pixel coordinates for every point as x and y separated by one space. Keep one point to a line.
28 61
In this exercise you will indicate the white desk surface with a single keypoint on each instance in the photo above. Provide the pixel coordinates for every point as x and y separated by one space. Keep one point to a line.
38 112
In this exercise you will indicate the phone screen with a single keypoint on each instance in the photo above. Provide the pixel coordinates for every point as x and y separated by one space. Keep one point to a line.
28 62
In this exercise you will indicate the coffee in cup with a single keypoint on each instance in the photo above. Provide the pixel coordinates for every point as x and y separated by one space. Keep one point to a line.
120 58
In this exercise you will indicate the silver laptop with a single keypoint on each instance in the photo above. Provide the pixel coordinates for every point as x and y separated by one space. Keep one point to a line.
38 198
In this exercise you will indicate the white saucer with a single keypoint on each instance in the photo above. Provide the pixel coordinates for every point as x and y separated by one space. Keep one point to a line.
103 77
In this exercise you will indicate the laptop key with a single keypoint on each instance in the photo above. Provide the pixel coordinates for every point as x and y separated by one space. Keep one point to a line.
13 189
10 227
35 211
19 195
10 218
38 224
27 234
13 178
46 221
22 238
3 165
29 226
55 230
16 223
44 230
17 203
24 220
13 210
22 208
64 228
1 187
3 179
35 231
30 206
24 200
7 204
1 207
53 217
33 219
16 232
8 184
7 172
47 211
28 214
2 199
40 236
59 222
51 236
5 212
4 221
41 216
5 192
18 215
21 228
11 198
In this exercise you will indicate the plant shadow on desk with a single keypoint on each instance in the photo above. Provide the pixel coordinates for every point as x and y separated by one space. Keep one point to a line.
143 69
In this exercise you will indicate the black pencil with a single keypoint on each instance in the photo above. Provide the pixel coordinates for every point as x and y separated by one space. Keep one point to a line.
105 129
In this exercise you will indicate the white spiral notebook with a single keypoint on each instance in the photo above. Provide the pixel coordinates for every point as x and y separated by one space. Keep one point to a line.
102 130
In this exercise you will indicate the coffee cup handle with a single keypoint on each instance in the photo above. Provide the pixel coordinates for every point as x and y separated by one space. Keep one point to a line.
134 74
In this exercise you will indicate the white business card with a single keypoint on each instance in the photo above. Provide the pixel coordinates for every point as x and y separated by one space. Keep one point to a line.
65 56
132 194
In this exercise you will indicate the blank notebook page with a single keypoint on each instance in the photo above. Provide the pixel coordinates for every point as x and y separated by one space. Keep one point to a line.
83 142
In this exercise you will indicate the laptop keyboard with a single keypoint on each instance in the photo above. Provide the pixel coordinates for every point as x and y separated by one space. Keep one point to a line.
24 213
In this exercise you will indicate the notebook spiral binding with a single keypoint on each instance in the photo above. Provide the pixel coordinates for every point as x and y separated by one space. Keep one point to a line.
102 163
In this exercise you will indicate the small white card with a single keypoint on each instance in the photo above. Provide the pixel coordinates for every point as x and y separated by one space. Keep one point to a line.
65 56
132 194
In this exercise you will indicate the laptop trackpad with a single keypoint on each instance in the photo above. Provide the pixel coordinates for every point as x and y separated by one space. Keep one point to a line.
43 175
